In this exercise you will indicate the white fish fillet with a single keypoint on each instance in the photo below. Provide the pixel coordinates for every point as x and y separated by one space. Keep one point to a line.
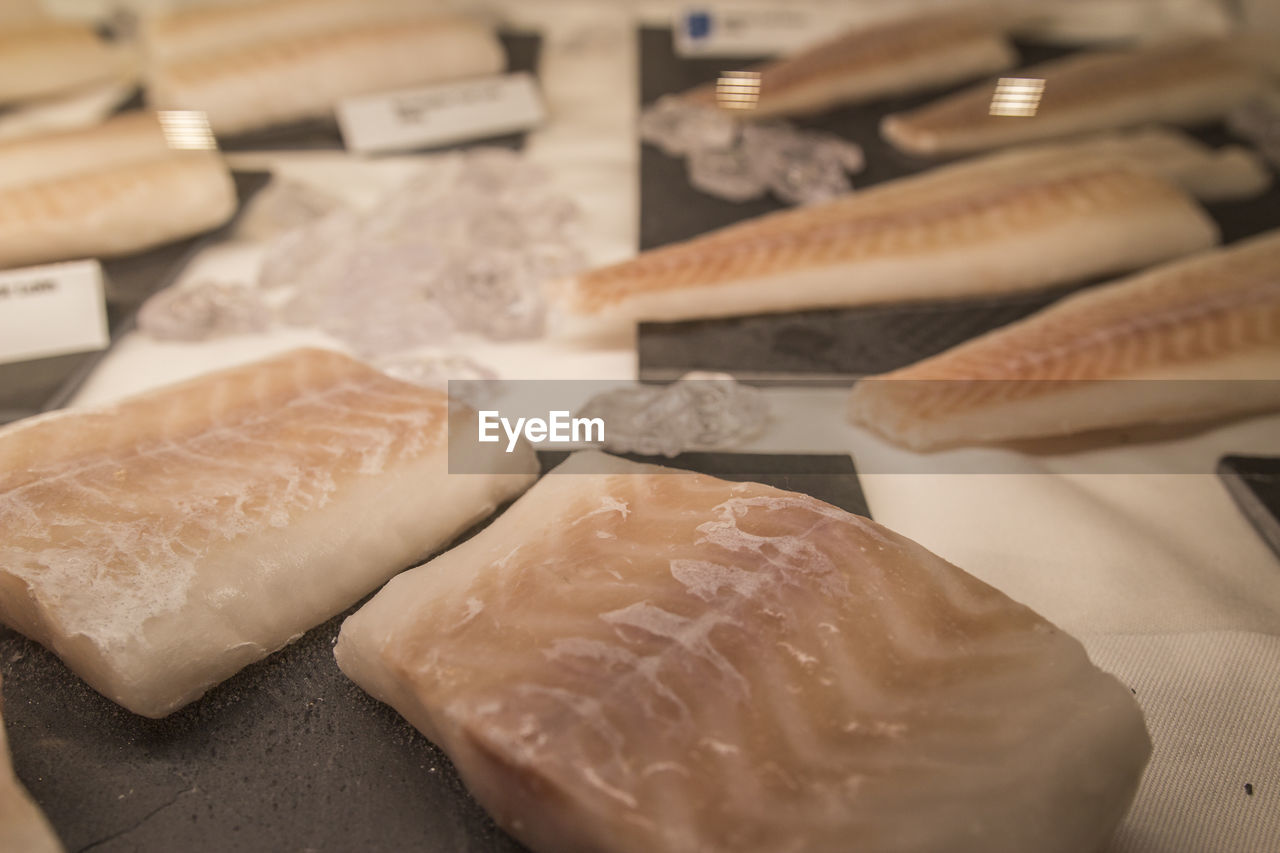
23 827
977 228
883 59
113 212
1228 173
1102 358
123 139
1186 82
305 76
632 660
187 33
40 60
160 545
22 13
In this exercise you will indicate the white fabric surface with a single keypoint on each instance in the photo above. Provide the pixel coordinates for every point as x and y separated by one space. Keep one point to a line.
1163 580
1157 573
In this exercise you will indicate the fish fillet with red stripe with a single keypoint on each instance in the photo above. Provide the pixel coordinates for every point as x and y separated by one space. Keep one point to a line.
1183 83
997 226
877 60
1196 339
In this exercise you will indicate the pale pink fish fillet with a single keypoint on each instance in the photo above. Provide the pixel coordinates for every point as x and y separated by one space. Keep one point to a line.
878 60
115 211
632 659
45 59
161 544
23 827
305 76
971 229
1106 357
1181 83
127 138
186 33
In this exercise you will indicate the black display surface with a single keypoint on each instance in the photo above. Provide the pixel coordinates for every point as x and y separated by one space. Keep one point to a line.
287 755
1254 484
841 344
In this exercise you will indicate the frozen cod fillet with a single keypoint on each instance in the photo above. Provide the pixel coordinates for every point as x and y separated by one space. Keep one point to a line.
1180 83
160 545
204 30
41 60
632 659
969 230
23 827
880 60
1100 359
305 76
113 212
127 138
1210 174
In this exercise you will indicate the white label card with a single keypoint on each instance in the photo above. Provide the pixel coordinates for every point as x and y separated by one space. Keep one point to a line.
726 29
443 114
52 310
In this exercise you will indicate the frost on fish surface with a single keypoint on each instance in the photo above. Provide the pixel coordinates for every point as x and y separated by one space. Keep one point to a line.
734 668
115 511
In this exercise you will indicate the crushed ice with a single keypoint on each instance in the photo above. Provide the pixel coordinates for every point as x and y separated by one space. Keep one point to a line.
468 252
204 310
743 162
434 370
464 246
282 206
701 410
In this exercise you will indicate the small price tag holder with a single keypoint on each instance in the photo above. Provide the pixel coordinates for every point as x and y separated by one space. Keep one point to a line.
726 29
443 114
51 310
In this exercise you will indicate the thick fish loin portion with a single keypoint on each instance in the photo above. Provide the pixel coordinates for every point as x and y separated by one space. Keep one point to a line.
162 544
304 76
892 58
117 211
23 827
106 191
969 230
632 659
1180 83
1108 357
203 30
45 59
127 138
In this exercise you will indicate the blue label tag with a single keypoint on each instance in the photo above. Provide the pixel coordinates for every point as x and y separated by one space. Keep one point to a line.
698 24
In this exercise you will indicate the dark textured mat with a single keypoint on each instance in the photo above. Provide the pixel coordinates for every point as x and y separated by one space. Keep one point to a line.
838 345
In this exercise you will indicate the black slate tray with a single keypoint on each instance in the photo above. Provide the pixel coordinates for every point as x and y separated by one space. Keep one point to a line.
523 50
41 385
836 345
288 755
1254 484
